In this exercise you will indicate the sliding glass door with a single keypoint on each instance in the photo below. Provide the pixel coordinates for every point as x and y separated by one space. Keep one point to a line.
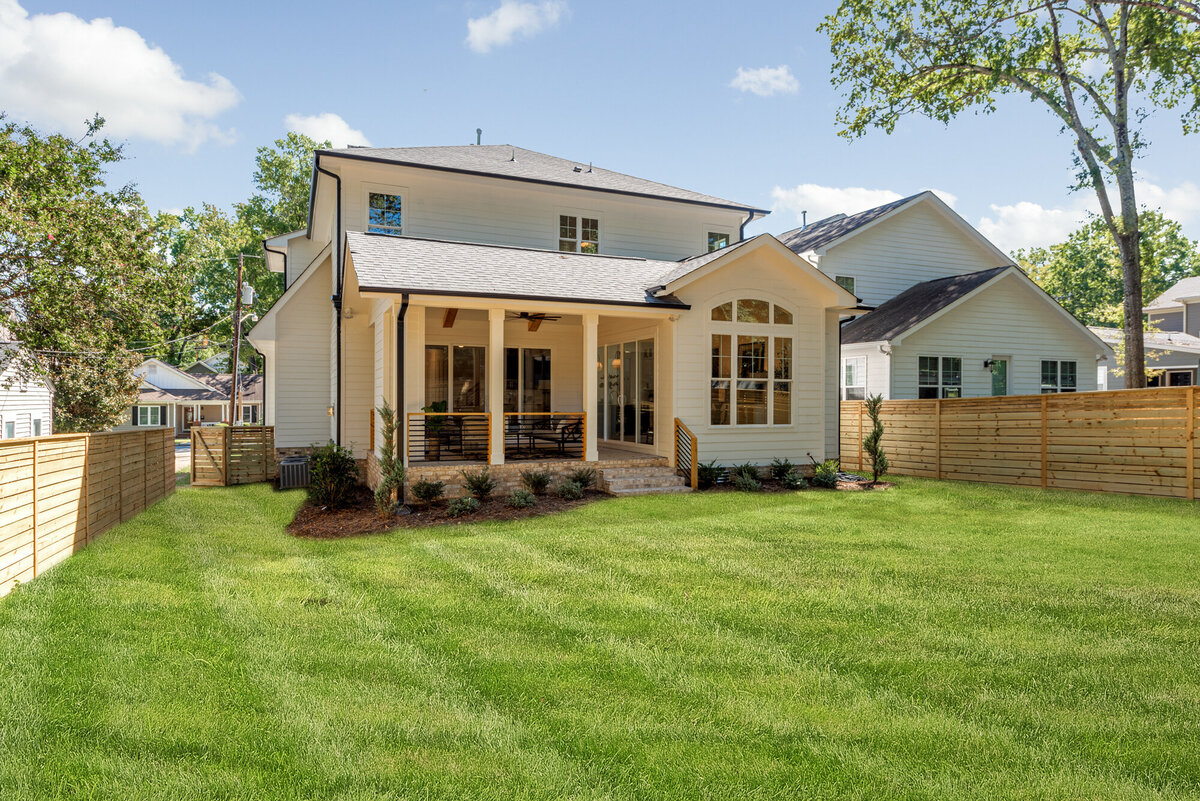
625 392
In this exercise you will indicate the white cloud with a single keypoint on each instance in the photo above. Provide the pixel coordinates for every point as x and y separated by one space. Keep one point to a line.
1026 224
766 81
510 20
824 201
327 126
59 69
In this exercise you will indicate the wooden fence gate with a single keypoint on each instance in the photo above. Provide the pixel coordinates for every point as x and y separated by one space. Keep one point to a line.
60 492
223 455
1136 441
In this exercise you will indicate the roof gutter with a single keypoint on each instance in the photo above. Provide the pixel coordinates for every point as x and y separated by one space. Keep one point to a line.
512 296
282 253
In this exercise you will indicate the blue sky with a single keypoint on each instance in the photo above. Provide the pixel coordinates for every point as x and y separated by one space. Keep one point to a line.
643 88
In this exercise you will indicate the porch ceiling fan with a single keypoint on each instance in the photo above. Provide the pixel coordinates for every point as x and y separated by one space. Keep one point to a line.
535 319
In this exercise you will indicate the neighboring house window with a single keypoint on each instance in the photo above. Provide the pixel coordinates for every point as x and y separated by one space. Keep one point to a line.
250 415
846 282
717 240
10 428
751 382
1058 376
854 378
383 214
939 377
37 427
578 234
148 416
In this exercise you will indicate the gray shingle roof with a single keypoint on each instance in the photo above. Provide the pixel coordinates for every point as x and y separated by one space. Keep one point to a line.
1184 288
516 163
822 232
686 266
252 390
1163 340
914 305
437 267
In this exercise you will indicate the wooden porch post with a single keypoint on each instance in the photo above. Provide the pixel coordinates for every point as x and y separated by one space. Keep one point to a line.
495 383
591 322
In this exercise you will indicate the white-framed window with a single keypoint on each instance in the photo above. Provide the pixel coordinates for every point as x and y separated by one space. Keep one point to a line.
751 381
8 428
1059 376
37 426
578 234
457 376
854 378
148 416
846 282
939 377
717 240
384 214
249 414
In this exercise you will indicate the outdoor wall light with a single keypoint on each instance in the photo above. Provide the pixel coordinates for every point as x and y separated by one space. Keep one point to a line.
989 364
329 411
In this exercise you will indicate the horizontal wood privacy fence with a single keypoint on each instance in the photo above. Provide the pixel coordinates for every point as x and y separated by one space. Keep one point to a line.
1137 441
687 453
226 455
60 492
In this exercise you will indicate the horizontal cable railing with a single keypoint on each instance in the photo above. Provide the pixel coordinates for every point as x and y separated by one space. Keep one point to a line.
687 453
544 435
449 437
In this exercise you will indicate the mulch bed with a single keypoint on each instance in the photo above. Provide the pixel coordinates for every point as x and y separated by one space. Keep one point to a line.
360 516
770 485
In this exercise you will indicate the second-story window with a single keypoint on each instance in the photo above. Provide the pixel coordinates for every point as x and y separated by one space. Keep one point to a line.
578 234
383 214
717 240
846 282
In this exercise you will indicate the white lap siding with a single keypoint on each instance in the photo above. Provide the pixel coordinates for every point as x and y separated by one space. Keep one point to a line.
1006 319
302 366
22 402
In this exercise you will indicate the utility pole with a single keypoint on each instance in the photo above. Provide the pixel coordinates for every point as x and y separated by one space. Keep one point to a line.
237 337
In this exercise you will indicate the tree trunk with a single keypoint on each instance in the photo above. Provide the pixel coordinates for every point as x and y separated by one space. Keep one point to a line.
1135 350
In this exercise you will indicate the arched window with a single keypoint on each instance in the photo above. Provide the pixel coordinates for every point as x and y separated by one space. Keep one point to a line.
751 382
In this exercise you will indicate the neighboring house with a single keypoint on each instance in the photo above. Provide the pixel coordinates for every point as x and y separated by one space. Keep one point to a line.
169 396
1173 344
216 364
510 286
26 403
953 317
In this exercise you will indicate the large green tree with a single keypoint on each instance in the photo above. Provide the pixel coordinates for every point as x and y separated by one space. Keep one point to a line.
1099 67
1083 273
82 270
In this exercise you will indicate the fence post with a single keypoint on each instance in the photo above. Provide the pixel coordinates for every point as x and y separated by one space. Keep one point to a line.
35 483
1045 438
937 438
861 404
1190 441
226 439
87 526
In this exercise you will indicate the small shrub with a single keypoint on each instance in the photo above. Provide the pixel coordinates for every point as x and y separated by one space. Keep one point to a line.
825 473
708 474
746 470
333 474
745 483
478 483
873 443
460 507
521 499
584 476
793 480
391 468
536 481
570 491
780 468
427 492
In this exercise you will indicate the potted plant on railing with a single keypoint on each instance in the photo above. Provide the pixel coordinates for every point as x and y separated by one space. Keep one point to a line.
434 423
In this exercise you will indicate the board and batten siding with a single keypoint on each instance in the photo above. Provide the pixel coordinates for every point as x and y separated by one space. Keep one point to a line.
22 402
916 245
302 372
1004 320
495 211
766 275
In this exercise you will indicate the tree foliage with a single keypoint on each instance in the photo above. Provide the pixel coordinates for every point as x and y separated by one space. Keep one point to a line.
1099 66
83 277
1084 272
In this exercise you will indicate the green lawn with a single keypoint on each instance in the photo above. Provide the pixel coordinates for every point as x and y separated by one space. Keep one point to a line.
937 641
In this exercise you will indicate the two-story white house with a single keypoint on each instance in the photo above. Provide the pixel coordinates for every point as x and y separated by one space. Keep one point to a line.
26 400
952 316
519 307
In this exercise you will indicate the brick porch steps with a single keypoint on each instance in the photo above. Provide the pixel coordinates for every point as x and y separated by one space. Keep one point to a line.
654 479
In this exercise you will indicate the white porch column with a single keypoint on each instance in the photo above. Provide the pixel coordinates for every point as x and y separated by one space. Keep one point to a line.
495 381
591 322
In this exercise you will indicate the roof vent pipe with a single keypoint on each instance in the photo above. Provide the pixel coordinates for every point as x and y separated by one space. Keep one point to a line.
803 219
478 136
589 166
